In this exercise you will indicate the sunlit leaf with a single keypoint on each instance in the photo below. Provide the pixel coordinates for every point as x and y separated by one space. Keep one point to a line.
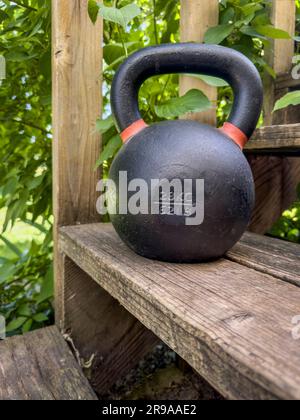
291 98
217 34
120 16
192 101
109 150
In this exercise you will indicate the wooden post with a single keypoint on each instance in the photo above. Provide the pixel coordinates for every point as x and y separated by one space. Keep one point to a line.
276 178
101 330
77 102
196 17
281 52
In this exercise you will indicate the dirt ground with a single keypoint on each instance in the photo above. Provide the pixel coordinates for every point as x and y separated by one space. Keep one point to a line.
162 376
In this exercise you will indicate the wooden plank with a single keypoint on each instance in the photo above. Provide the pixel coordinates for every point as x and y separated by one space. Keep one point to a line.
272 256
281 51
276 138
273 174
40 366
196 17
77 68
286 81
77 103
102 330
231 323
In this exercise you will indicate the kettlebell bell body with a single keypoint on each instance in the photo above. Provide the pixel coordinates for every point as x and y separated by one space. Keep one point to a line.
184 190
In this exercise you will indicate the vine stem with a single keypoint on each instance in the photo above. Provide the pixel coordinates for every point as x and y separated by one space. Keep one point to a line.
122 41
155 23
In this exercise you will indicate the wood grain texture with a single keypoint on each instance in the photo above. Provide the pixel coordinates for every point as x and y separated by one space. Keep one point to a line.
276 138
231 323
77 103
98 325
196 17
40 366
281 51
275 177
286 81
276 180
102 330
272 256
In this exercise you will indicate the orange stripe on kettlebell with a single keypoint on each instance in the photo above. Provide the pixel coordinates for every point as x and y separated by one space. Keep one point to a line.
133 130
235 134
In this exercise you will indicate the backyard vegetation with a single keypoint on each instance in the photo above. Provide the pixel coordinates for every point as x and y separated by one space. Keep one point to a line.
26 274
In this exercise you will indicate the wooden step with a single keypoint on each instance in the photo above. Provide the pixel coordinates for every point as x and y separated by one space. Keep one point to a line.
231 320
40 366
286 81
277 139
279 258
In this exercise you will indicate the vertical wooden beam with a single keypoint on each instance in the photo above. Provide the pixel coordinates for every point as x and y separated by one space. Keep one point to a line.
276 178
281 52
77 103
196 17
100 329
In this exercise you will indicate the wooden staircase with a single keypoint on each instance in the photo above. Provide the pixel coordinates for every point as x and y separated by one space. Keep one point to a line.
233 320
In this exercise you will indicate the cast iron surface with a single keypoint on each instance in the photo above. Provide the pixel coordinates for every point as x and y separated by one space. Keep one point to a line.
187 150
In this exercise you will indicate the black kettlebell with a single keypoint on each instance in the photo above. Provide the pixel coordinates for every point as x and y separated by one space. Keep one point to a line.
191 182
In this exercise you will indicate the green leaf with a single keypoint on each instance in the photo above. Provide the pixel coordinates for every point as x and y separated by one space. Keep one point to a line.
120 16
250 31
24 310
217 34
103 126
40 318
11 246
192 101
47 290
271 32
6 271
291 98
15 324
109 150
27 326
250 8
113 52
210 80
93 10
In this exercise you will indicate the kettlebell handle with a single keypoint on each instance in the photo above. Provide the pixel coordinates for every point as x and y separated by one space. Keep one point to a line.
212 60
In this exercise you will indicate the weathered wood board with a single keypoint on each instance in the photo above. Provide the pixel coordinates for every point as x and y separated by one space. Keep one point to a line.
40 366
232 323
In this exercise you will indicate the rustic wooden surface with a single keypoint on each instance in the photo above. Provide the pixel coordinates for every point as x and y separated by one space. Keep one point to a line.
80 306
76 75
102 330
281 51
233 324
285 81
276 138
275 177
40 366
272 256
196 17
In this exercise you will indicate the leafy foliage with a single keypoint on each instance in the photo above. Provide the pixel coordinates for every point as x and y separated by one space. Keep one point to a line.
25 170
291 98
194 100
288 226
244 26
